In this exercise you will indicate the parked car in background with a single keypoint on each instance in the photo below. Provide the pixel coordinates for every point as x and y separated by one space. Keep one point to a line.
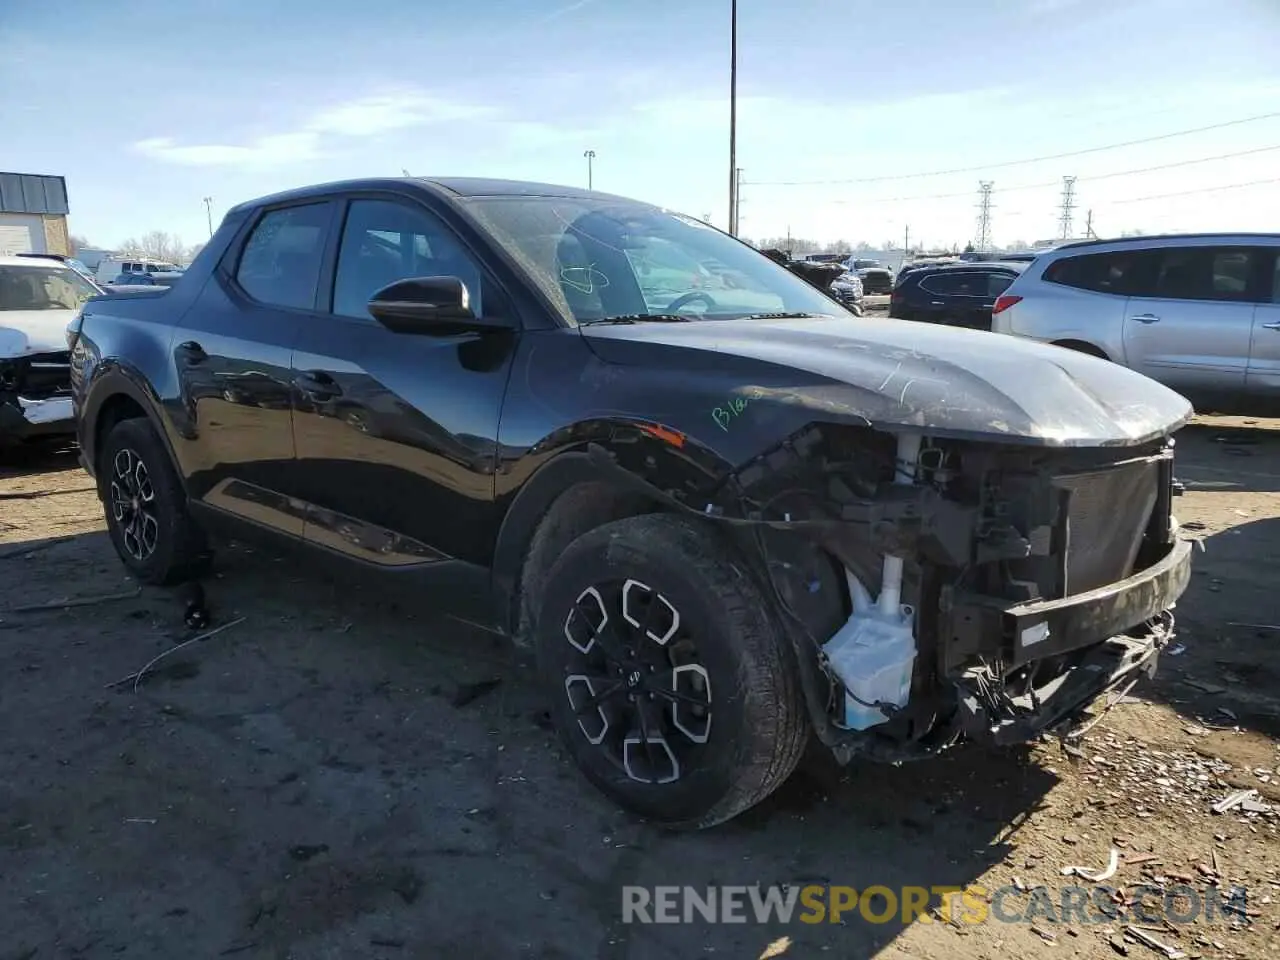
875 276
848 289
111 267
826 274
726 518
1197 312
38 298
957 294
146 279
71 262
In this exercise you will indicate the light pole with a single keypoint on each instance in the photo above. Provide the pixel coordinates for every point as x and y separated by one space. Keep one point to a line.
208 212
733 117
590 155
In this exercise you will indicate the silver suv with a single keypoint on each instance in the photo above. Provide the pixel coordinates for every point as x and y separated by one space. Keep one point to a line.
1198 312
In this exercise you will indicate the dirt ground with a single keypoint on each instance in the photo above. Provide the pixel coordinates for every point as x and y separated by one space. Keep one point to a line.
332 775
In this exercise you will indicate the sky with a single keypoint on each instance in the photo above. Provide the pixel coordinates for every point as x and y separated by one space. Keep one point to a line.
850 112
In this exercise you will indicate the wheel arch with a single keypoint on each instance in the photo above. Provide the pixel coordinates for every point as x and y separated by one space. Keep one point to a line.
115 396
1082 346
576 491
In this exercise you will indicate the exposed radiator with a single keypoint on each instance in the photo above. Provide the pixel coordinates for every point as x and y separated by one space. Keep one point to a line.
1109 514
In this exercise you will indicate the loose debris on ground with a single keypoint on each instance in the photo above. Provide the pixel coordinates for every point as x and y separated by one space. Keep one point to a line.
338 776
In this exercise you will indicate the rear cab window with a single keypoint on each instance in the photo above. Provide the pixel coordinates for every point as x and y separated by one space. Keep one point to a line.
281 259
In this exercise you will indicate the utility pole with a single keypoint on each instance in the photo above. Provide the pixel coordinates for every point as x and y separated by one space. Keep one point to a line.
906 241
1068 204
984 215
733 117
737 200
590 155
208 212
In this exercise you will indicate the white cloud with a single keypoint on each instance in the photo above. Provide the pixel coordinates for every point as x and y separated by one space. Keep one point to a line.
364 117
567 9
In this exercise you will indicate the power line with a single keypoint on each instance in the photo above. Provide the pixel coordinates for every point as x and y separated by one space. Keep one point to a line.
1187 193
1015 163
1044 184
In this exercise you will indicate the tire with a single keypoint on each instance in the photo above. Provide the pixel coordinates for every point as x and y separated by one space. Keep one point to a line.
146 507
724 650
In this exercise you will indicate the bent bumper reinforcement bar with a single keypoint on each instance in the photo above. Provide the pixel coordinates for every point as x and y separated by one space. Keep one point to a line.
1045 628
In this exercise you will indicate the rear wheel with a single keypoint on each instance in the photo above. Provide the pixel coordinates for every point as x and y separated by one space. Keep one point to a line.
146 508
670 681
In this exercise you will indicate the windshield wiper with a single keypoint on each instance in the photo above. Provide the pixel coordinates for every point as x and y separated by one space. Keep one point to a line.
641 318
782 316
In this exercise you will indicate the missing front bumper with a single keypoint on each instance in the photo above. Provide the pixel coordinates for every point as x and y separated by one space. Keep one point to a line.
1023 718
1068 632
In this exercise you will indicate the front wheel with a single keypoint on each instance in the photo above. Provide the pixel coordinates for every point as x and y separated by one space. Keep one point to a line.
147 517
671 684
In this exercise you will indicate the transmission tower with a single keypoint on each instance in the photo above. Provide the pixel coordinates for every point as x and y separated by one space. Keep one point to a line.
984 215
1068 204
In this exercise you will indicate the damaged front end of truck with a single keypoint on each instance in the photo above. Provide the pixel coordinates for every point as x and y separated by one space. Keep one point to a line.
941 589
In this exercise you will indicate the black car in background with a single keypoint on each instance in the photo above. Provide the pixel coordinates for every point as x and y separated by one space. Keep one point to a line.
955 294
875 276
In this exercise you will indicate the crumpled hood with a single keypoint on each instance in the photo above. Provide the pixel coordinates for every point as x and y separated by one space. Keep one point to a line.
33 331
896 373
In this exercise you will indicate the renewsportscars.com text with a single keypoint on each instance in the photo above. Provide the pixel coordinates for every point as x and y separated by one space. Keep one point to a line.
1181 903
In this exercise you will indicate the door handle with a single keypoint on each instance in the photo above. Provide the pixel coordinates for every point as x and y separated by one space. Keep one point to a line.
1145 318
317 385
191 353
1274 325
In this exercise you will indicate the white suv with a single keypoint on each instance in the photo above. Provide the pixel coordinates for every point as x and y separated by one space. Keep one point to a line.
1198 312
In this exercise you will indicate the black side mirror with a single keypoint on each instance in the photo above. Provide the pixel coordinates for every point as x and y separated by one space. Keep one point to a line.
424 304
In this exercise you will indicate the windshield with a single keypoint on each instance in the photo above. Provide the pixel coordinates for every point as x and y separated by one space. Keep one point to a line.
599 259
43 288
865 264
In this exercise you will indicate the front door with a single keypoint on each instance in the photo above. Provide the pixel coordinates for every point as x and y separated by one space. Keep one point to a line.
1263 377
396 433
232 354
1189 318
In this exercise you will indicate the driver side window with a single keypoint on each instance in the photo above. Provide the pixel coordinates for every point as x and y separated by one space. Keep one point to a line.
384 241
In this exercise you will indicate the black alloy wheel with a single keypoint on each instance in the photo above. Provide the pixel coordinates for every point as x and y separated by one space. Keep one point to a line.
146 507
133 504
637 688
670 682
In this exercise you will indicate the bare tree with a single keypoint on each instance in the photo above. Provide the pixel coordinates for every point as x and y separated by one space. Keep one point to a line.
193 251
77 243
155 244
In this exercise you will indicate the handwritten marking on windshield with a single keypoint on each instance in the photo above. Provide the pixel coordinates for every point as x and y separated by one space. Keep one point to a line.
733 408
584 279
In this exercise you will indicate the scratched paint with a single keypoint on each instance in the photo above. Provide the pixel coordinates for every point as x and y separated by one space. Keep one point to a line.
734 407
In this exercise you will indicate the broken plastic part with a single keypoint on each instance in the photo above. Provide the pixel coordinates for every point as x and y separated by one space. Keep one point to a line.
873 655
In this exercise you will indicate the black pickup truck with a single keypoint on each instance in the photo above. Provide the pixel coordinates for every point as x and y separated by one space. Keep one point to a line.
727 514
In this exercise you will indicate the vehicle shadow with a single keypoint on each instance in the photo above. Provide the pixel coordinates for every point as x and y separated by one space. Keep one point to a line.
35 457
1225 669
329 756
